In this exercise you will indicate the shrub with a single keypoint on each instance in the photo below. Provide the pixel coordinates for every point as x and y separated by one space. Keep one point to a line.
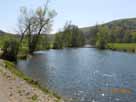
10 50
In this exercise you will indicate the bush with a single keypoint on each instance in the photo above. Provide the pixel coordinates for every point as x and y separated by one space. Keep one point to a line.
10 50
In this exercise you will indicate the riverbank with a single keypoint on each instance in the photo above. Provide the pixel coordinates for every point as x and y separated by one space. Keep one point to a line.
126 47
16 87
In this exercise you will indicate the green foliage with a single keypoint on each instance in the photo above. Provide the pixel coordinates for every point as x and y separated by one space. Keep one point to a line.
44 43
6 37
102 37
121 31
133 36
93 36
34 97
78 38
67 37
58 41
33 23
33 43
10 50
70 37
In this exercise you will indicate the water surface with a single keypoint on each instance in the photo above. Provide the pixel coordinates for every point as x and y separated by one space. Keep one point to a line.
84 74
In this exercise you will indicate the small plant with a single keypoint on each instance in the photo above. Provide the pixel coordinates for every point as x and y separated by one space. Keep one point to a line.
34 97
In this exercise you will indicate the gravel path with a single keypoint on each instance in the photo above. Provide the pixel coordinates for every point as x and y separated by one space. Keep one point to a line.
14 89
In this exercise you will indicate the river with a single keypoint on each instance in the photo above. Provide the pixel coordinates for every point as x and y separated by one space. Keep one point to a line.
85 74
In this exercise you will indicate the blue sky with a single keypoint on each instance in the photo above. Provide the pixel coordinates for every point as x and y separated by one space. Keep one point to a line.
80 12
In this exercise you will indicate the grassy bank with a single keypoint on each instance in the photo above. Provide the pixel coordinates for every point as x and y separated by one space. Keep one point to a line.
10 66
127 47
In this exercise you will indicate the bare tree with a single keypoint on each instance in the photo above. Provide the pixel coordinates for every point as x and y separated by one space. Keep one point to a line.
33 23
25 22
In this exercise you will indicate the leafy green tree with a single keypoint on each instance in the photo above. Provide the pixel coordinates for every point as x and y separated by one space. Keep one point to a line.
102 37
72 36
119 33
133 34
78 38
58 41
44 43
67 35
127 37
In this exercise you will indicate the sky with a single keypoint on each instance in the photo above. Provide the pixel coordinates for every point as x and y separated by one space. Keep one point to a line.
80 12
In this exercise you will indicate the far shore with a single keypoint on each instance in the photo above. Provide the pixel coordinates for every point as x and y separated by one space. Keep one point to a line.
125 47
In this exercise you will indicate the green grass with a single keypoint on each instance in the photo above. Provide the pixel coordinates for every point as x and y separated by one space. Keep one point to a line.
128 47
10 66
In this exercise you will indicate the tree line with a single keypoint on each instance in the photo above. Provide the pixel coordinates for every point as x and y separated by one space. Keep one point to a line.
101 35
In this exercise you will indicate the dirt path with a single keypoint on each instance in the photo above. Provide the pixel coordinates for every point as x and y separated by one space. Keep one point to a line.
14 89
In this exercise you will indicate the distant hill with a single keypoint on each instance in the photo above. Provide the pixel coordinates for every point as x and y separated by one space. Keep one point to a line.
86 30
115 25
129 24
2 32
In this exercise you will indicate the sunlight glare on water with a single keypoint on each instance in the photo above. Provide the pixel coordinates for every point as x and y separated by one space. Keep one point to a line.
84 74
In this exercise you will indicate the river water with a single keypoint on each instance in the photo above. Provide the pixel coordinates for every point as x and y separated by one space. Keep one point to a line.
85 74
